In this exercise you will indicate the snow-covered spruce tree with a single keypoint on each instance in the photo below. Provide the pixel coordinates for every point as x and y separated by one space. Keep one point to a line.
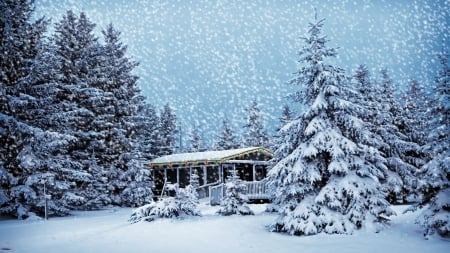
138 190
146 132
131 135
414 113
167 131
399 151
327 179
255 135
435 173
195 140
226 139
183 204
31 153
19 39
83 109
286 116
235 200
41 159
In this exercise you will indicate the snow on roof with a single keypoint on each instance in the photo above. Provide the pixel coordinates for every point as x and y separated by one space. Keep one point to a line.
208 155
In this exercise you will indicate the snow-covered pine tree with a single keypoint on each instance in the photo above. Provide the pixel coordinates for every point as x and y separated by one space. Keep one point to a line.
255 135
130 135
195 140
435 173
326 178
167 131
235 200
398 150
146 133
18 46
414 113
88 108
226 139
20 36
138 190
36 154
19 41
286 116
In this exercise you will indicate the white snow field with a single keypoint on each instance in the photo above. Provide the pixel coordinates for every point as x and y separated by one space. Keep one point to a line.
109 231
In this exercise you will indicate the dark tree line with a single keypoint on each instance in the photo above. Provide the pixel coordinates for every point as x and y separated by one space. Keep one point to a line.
72 117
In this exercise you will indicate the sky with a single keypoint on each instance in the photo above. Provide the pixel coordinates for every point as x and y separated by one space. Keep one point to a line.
211 59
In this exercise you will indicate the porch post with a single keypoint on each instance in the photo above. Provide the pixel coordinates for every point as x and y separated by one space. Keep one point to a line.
220 172
254 172
165 174
234 169
204 175
178 176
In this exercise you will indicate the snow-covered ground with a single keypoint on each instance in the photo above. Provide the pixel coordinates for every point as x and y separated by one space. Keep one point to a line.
109 231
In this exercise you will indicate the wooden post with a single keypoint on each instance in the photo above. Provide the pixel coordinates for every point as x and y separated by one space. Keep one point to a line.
205 177
221 172
254 172
178 176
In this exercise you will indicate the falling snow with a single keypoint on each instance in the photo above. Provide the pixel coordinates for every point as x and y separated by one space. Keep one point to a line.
211 59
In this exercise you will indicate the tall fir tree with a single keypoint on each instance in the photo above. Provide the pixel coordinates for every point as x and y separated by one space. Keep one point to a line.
435 173
195 140
286 116
32 154
397 149
415 104
327 179
255 135
167 131
226 139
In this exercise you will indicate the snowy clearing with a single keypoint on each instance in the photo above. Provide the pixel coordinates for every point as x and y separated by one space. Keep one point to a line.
109 231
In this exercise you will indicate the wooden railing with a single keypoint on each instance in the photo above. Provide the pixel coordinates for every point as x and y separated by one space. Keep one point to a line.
255 190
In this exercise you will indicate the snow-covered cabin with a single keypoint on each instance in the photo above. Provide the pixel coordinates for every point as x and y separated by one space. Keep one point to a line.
213 168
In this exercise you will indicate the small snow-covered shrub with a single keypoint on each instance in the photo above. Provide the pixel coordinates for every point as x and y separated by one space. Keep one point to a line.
436 216
185 203
235 200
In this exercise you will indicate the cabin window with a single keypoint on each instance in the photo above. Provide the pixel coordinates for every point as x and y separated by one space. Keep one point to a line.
213 174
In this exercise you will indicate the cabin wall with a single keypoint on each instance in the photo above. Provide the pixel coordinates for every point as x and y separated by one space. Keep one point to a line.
208 174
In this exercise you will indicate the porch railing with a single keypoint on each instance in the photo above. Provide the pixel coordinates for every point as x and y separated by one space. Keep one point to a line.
255 190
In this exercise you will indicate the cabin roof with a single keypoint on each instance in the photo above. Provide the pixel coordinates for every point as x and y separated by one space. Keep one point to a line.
210 156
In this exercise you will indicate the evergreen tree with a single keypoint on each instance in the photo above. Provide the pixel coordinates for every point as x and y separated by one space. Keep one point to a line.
31 153
327 179
146 132
167 131
255 135
415 106
226 138
195 140
435 173
235 200
286 116
397 149
18 41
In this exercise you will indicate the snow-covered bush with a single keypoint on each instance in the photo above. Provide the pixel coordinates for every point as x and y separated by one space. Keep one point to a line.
235 200
184 203
436 217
